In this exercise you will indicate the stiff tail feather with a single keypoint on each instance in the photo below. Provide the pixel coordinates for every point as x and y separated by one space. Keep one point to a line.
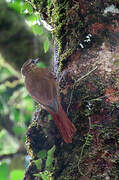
65 126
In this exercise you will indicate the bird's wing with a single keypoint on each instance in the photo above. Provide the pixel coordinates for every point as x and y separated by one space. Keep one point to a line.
44 92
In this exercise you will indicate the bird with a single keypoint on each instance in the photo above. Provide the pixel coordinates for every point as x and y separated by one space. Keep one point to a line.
43 88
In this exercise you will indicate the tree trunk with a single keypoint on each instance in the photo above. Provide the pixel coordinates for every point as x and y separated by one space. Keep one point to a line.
87 46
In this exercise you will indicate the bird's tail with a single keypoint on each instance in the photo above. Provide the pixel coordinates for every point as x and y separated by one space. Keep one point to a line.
65 126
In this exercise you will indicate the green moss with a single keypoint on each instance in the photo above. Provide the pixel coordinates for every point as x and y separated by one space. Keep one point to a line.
65 19
58 21
67 26
34 145
63 58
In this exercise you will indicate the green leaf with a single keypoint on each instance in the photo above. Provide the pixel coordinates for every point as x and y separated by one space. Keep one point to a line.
51 151
28 103
15 114
50 157
49 117
19 130
44 175
37 16
42 154
38 163
49 2
38 175
37 29
2 133
17 174
15 5
41 65
46 45
26 9
32 1
49 35
31 18
3 171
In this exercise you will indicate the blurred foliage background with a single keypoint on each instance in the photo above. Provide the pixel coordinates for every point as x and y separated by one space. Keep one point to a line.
23 36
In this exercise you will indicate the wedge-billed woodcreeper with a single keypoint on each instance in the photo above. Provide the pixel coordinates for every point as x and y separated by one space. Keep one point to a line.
43 88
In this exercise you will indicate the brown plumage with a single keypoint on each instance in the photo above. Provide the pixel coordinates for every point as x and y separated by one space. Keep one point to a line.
43 88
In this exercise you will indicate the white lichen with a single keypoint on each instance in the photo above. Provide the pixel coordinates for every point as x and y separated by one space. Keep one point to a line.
111 9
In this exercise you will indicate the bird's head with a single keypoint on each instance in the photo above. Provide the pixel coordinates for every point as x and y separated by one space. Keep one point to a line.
28 65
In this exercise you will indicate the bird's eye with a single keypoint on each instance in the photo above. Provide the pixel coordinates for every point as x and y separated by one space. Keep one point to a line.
33 61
